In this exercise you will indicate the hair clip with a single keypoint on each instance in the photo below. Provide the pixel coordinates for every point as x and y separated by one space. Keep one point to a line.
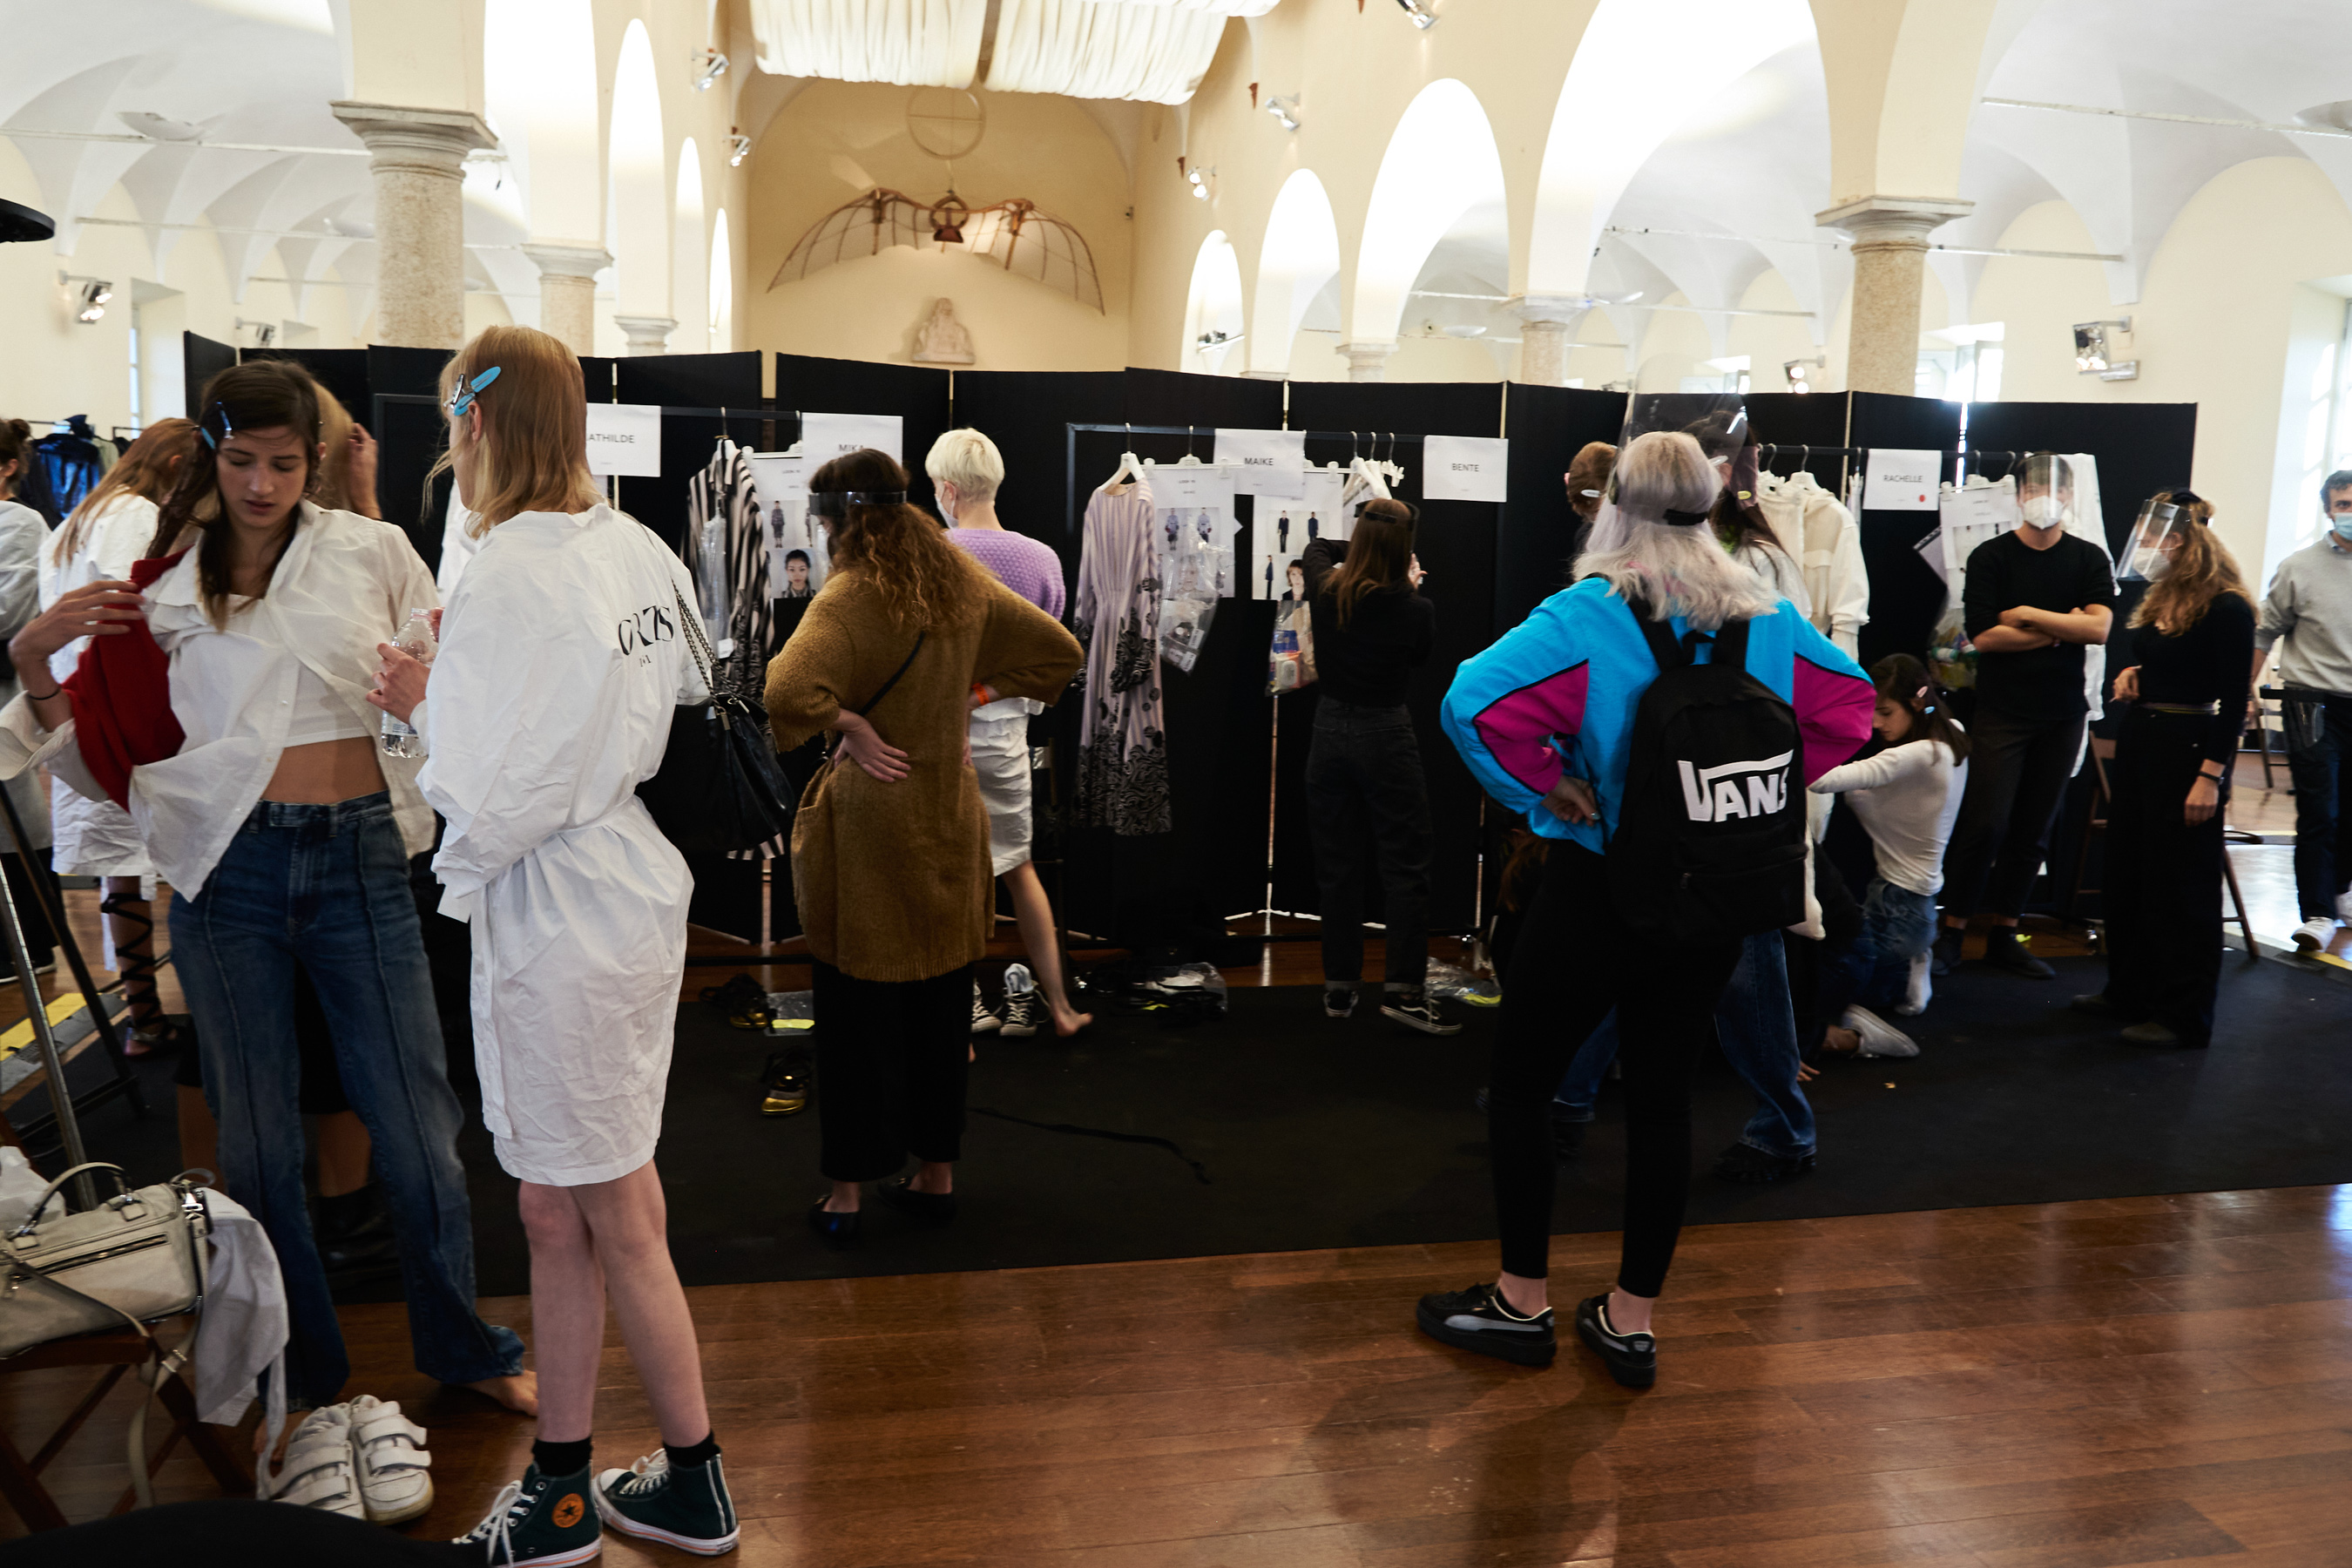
463 398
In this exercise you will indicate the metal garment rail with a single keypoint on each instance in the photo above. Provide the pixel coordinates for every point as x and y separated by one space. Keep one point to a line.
1072 432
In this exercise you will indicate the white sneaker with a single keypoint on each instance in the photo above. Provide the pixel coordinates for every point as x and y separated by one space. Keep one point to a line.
390 1451
2344 908
1023 1007
1920 987
983 1018
318 1471
2314 934
1879 1038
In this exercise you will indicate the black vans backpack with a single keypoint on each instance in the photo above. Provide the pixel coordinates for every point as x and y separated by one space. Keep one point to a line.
1710 838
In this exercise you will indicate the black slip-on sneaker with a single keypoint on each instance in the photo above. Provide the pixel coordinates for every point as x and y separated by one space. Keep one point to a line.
1415 1010
2013 955
1479 1320
1632 1359
1338 1001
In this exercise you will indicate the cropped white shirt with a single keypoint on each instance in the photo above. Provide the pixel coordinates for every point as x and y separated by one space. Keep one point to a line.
345 584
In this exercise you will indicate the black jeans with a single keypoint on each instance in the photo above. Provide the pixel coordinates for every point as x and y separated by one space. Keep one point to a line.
1575 960
2319 761
2163 883
2017 770
1370 807
891 1061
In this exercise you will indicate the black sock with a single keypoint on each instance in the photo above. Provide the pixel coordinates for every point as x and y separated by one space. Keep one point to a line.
561 1458
694 1457
2001 934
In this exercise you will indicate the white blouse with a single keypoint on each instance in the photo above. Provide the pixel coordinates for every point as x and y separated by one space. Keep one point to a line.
115 538
346 583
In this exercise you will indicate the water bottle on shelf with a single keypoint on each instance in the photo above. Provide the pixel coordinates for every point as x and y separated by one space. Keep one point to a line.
416 640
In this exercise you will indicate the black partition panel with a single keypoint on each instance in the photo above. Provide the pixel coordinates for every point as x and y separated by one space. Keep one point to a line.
1906 595
1803 419
409 437
1549 425
1026 413
201 359
679 382
344 371
917 394
2141 448
1179 397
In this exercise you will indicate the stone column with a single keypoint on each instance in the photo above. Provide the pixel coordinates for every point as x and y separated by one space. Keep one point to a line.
1266 375
647 334
1545 321
1890 258
567 291
418 157
1368 361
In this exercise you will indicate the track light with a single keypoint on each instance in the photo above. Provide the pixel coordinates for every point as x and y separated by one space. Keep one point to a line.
2090 353
1215 338
1423 17
90 298
1285 110
1198 180
1796 370
739 147
264 333
709 64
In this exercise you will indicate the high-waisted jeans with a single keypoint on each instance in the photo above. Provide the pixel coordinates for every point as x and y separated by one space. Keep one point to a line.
325 888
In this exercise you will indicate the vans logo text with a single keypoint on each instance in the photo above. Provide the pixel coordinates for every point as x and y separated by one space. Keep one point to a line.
1714 795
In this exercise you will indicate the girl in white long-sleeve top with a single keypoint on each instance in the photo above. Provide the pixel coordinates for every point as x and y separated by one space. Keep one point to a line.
562 658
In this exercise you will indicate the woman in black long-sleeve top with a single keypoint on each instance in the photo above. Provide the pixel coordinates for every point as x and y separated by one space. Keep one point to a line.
1364 791
2179 737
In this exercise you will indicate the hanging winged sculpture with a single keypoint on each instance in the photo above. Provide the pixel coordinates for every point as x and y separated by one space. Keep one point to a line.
1013 234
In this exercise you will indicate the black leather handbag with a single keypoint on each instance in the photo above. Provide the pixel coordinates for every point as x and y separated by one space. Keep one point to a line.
721 789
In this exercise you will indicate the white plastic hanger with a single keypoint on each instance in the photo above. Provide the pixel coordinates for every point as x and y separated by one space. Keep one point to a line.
1131 467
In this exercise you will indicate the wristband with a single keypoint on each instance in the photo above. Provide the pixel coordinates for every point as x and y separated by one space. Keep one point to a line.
44 695
980 697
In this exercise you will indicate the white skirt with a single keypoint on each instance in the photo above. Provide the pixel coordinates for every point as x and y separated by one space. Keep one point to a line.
94 837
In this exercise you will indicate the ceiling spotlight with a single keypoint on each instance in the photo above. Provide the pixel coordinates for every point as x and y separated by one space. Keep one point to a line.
90 298
1423 17
1215 338
739 147
1198 180
1285 110
1796 370
709 64
2090 353
264 333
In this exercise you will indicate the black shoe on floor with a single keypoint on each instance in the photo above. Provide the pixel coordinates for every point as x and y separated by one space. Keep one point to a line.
839 1230
1479 1320
1567 1140
2149 1032
1632 1359
1945 955
1414 1010
2008 952
1746 1164
1338 1001
929 1208
2096 1005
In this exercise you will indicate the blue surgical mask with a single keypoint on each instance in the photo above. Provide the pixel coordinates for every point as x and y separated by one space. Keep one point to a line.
2342 524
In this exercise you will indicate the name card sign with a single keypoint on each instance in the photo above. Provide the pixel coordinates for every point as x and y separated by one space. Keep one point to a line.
1901 479
1465 468
1265 462
824 437
625 439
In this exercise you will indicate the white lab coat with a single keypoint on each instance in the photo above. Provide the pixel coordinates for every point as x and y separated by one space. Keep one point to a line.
95 837
561 661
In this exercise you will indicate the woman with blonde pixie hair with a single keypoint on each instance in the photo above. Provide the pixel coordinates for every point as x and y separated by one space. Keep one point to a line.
562 658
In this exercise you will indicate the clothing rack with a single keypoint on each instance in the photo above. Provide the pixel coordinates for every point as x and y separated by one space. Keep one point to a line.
1073 431
729 414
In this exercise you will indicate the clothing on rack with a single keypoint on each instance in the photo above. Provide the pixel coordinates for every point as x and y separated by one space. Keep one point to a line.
67 457
1122 781
1814 526
722 497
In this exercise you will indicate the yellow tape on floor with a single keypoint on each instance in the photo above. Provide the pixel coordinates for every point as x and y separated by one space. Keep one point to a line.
17 1038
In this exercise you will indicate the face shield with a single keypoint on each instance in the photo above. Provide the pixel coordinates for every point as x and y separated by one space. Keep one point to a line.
2154 538
2045 491
1717 420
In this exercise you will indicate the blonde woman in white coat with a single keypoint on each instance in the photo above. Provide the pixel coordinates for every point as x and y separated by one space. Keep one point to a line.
562 658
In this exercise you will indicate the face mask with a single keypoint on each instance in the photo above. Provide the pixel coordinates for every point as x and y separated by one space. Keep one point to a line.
946 510
2342 524
2044 511
2151 564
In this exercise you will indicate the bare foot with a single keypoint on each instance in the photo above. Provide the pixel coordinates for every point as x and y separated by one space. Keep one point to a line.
519 1393
971 1053
1841 1041
1068 1021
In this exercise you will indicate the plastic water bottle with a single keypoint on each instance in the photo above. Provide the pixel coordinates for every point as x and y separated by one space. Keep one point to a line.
416 640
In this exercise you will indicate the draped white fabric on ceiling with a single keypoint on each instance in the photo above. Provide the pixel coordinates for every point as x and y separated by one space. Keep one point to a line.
916 43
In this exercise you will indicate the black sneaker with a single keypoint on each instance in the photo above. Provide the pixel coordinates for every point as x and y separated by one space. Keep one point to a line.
1479 1320
1945 955
688 1508
1567 1138
2009 953
1338 1001
984 1020
539 1520
1414 1010
1747 1165
1024 1009
784 1084
1632 1359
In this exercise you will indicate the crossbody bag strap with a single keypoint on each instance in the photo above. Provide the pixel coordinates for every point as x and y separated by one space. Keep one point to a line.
876 701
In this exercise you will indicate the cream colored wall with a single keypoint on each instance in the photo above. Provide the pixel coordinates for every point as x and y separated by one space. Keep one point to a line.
835 140
1771 342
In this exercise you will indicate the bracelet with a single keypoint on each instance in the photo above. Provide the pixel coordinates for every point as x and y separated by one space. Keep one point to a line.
980 696
45 696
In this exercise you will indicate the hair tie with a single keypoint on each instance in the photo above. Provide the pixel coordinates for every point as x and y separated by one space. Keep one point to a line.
1684 518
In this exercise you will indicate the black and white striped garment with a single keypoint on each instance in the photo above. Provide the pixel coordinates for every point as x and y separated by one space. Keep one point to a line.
722 496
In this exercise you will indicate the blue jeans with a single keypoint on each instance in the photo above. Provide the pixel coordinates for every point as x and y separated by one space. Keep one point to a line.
1898 925
1758 1031
326 887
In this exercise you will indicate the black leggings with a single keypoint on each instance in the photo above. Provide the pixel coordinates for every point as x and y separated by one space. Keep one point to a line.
891 1064
1583 961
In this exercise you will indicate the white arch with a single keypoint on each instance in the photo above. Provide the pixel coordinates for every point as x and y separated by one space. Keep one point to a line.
1301 254
639 221
1214 305
1441 163
722 286
690 276
538 81
1641 70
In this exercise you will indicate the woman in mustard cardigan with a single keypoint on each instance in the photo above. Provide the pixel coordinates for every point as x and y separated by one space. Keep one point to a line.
891 865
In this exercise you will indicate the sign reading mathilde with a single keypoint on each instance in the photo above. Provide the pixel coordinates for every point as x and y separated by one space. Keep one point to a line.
625 439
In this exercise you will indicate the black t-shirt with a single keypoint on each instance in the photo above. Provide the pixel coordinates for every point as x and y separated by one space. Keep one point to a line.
2042 683
2213 661
1370 661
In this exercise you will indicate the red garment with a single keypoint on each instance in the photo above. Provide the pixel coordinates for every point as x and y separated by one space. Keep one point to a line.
121 694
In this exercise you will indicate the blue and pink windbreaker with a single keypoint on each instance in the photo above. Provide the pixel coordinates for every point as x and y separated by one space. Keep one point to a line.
1556 694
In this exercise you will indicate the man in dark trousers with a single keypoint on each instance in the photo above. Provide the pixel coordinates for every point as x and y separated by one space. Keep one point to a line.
2310 607
2034 598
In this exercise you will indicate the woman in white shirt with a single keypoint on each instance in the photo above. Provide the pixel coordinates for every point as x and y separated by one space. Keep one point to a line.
22 530
110 529
563 660
285 837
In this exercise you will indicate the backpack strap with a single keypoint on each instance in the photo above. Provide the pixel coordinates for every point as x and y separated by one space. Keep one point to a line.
1670 654
1731 644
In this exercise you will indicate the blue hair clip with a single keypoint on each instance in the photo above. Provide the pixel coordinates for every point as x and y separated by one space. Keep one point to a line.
463 398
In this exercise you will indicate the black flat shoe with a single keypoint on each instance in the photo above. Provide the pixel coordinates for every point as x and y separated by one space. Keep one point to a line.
928 1209
839 1230
1632 1359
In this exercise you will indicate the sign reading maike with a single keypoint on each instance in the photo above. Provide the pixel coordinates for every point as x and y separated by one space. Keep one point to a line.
1901 479
1465 468
824 437
625 439
1265 462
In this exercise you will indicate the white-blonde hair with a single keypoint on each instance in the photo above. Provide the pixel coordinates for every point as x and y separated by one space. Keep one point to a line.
1677 568
968 460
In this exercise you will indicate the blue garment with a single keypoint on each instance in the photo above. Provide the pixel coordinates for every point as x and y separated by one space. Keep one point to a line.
326 886
1898 925
1556 693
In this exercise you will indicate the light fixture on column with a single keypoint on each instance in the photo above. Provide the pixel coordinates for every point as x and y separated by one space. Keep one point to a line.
1198 180
1419 10
1796 370
739 147
2092 356
1215 338
1284 109
264 333
709 64
90 298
